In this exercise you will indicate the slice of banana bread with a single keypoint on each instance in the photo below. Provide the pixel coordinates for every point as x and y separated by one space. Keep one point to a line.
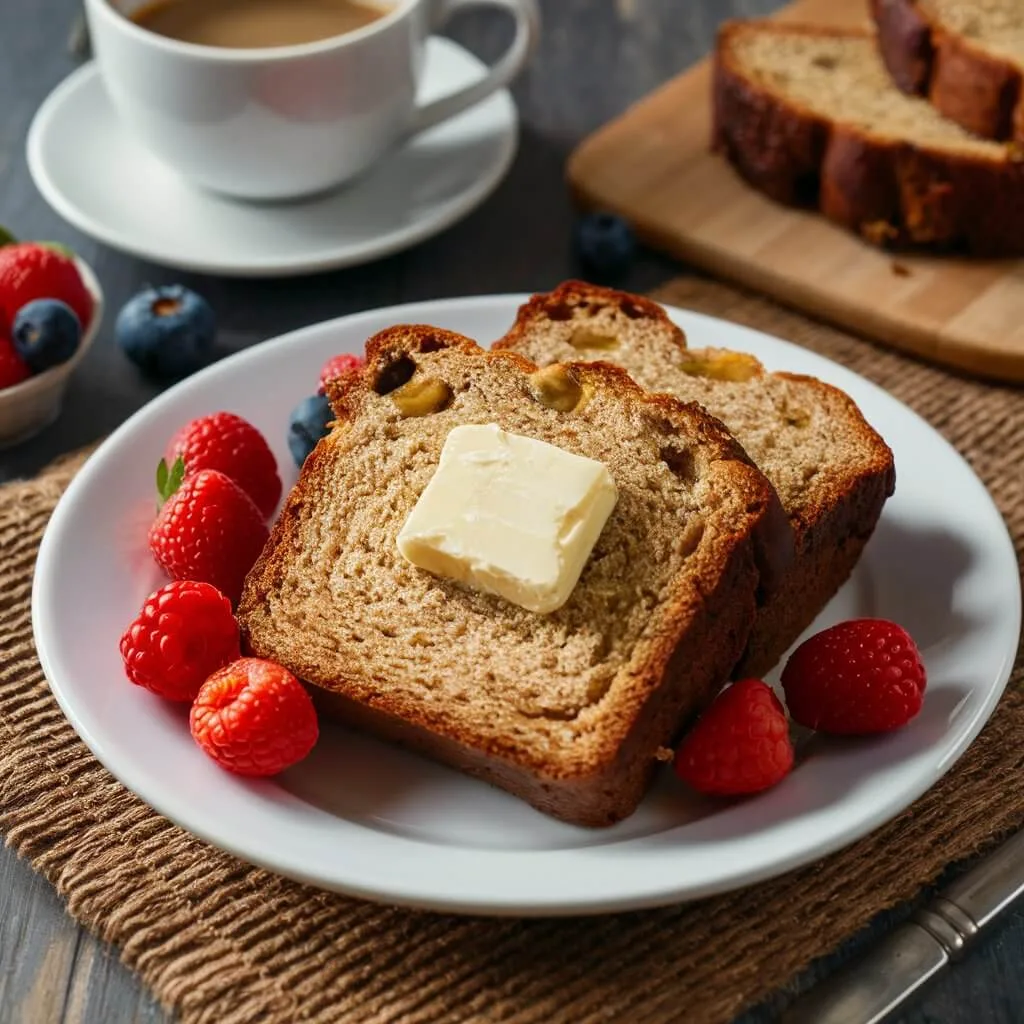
811 117
829 467
567 710
966 58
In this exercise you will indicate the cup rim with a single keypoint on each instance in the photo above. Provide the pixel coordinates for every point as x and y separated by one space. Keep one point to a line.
244 55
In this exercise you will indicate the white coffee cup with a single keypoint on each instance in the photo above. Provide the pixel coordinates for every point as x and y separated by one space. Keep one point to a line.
287 121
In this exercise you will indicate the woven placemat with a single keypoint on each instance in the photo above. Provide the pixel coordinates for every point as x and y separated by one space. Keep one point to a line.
220 941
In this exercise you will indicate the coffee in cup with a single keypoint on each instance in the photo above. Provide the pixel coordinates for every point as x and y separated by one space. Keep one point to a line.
249 24
223 92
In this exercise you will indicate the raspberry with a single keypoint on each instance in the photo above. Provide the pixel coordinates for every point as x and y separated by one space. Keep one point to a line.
860 676
739 745
184 632
337 366
208 530
12 367
230 444
253 717
31 271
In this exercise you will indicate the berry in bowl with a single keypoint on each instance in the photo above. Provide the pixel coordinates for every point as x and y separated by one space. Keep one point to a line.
51 306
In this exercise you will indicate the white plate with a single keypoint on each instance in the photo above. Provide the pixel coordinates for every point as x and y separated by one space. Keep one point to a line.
362 817
101 180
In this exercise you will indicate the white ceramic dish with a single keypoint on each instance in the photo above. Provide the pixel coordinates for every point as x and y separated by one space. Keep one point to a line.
104 182
34 404
361 817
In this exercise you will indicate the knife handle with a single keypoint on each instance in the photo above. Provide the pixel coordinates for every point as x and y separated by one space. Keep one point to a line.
870 989
876 984
984 891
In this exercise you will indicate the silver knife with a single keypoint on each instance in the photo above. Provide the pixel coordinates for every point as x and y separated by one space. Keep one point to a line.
880 982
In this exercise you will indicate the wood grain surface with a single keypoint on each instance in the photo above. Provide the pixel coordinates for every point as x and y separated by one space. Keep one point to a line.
597 57
653 166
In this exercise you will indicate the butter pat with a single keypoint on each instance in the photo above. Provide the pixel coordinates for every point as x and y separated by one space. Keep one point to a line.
509 515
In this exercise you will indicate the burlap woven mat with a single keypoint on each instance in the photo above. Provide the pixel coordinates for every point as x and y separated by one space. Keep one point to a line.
219 941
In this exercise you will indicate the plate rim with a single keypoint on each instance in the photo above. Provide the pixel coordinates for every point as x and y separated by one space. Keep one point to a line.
343 257
496 905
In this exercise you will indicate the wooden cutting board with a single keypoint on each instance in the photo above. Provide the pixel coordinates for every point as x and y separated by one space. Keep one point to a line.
652 165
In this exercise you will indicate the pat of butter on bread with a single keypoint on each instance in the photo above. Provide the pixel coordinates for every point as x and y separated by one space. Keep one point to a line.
509 515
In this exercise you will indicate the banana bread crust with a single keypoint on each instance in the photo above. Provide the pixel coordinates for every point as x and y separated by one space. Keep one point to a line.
892 193
979 90
829 545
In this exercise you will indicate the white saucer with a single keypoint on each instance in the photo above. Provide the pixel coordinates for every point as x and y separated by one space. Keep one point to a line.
101 180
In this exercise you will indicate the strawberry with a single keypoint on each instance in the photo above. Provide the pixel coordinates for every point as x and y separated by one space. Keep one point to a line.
31 271
338 366
230 444
183 634
208 529
860 676
253 717
739 745
13 369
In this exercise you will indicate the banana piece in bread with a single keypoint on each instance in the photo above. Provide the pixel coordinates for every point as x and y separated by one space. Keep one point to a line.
830 469
567 710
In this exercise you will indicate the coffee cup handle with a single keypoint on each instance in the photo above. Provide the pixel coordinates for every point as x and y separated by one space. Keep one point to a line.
527 18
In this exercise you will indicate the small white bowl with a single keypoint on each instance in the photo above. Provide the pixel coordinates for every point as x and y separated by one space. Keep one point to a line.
28 407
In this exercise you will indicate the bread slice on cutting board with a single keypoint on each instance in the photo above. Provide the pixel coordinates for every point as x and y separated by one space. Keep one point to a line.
967 58
811 117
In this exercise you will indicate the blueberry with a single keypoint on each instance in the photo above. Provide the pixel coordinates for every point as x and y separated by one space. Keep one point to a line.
307 424
168 332
46 333
605 245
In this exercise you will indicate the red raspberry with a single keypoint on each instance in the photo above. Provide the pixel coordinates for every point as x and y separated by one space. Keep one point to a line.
232 445
208 530
253 717
12 367
31 271
860 676
338 366
739 745
184 633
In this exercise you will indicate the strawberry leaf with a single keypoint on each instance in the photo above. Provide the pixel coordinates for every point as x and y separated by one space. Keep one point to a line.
177 475
6 238
58 247
169 480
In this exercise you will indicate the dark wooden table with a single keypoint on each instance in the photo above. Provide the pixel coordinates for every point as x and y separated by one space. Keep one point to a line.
596 57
